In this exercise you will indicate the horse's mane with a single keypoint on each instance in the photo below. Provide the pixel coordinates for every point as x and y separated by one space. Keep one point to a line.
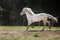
28 10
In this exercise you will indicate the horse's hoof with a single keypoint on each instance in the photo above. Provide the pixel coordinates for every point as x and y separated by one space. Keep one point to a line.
26 29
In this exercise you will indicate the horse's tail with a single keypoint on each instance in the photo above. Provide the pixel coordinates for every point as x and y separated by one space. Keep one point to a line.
53 18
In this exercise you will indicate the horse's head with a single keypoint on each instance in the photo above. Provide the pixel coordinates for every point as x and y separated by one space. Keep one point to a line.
22 12
29 10
26 10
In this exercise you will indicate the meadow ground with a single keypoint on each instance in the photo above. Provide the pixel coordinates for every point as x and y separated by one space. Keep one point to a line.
20 33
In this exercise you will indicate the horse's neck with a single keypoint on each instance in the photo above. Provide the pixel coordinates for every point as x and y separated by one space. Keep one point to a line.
28 15
31 12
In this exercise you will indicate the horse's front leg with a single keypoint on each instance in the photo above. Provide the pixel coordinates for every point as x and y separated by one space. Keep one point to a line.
27 28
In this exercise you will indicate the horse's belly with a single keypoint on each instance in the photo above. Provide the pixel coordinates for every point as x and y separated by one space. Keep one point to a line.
36 19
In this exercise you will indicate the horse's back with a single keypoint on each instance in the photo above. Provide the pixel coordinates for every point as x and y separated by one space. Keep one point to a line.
42 14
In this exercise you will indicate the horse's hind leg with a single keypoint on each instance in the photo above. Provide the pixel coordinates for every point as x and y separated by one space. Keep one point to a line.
32 25
49 24
44 26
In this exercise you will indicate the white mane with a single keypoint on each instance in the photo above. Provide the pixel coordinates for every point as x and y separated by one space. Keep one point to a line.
29 10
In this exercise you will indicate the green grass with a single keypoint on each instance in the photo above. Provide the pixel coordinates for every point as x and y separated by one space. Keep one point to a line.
28 35
24 28
12 27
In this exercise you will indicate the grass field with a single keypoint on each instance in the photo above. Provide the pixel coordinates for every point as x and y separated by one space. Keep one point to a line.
20 33
24 27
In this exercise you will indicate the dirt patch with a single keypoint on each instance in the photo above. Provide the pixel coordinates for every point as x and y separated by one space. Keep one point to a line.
46 31
19 32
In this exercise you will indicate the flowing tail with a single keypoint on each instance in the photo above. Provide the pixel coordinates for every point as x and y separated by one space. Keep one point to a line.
53 18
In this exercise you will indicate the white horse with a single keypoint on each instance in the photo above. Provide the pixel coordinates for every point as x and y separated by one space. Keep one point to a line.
31 17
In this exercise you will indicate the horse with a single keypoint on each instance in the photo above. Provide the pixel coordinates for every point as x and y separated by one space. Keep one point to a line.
32 17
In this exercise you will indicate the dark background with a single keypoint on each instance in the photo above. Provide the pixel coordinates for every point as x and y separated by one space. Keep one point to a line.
10 9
